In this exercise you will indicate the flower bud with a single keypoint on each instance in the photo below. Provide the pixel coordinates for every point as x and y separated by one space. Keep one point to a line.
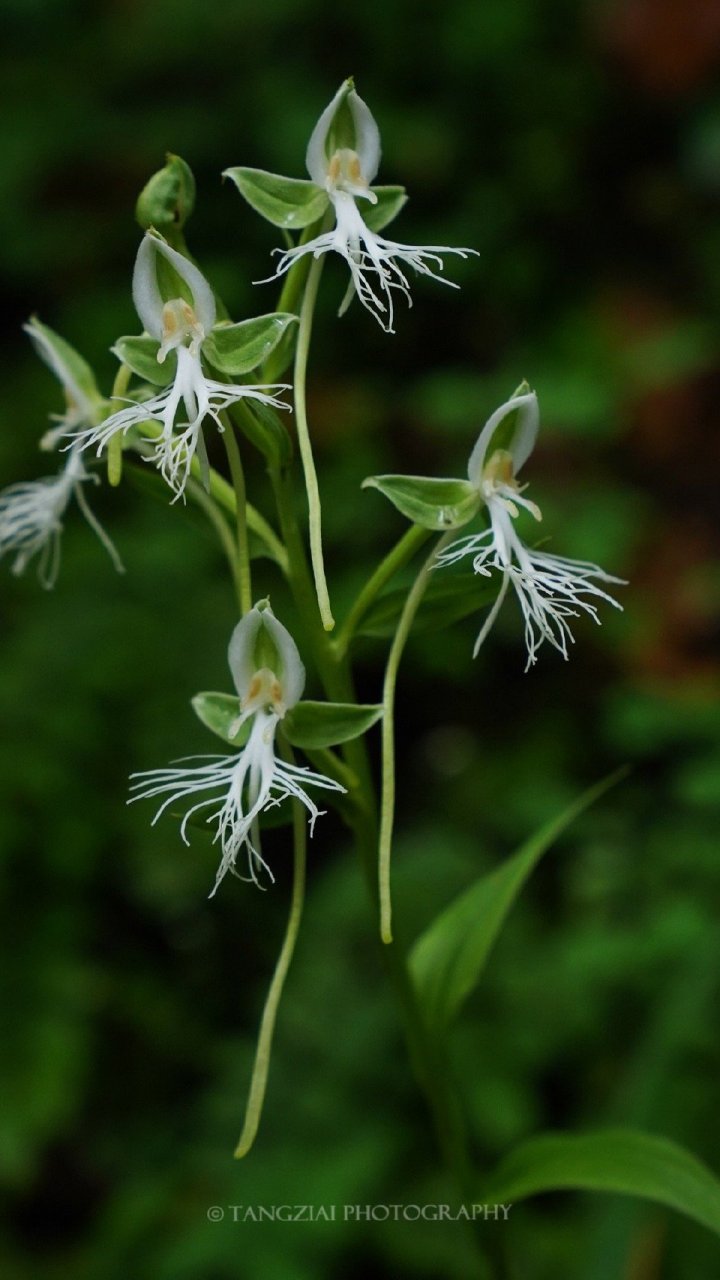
168 199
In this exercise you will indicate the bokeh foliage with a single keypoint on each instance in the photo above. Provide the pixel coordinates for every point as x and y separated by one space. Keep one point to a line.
577 146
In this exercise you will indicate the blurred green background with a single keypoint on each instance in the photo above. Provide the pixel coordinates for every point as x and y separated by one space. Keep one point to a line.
577 147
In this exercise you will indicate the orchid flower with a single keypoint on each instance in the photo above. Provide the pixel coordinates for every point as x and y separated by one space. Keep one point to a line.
31 512
550 589
179 326
345 173
269 678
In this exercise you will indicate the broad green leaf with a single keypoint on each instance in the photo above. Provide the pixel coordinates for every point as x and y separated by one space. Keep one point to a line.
326 724
619 1160
238 348
168 198
218 712
290 203
265 429
427 501
390 201
448 598
447 959
140 354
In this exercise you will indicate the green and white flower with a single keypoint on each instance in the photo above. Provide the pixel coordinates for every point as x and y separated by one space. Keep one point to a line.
32 512
181 326
550 589
269 677
343 157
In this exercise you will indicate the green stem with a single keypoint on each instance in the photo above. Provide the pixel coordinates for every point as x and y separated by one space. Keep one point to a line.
387 806
428 1057
216 518
224 495
115 445
258 1082
307 311
403 551
243 579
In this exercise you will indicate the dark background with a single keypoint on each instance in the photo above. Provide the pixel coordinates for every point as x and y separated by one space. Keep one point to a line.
577 147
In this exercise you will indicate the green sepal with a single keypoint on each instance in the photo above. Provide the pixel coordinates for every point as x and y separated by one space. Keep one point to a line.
449 597
427 501
218 712
265 429
327 724
168 198
77 367
139 353
290 203
239 348
390 201
624 1161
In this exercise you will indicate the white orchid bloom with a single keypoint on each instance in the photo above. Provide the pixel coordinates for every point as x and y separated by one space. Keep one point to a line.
345 173
178 326
31 519
550 589
269 677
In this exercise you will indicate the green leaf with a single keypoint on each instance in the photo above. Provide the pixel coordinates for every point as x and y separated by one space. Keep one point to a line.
218 712
238 348
290 203
427 501
326 724
390 201
168 198
265 429
619 1160
448 958
140 354
448 598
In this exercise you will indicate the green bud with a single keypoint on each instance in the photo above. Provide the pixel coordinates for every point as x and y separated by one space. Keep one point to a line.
168 199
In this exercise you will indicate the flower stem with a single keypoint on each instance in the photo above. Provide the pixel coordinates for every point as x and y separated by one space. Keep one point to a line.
243 580
307 311
115 444
207 504
403 551
387 805
261 1065
224 495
